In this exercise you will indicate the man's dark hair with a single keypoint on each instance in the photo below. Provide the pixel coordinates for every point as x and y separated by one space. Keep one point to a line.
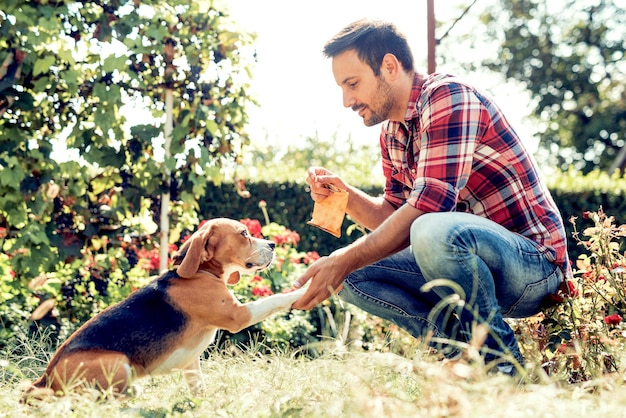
371 39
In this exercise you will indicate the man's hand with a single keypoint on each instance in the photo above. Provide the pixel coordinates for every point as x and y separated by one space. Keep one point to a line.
326 275
319 178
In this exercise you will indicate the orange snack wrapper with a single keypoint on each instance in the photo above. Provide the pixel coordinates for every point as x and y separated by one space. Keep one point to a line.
328 214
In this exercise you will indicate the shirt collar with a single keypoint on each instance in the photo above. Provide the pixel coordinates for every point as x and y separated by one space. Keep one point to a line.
416 91
411 113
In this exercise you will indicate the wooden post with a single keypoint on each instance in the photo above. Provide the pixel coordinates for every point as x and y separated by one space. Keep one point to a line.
432 42
165 197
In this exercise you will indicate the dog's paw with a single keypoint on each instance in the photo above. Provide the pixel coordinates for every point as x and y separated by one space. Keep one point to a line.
292 295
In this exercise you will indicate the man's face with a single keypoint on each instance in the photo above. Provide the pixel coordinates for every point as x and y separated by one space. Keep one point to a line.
365 93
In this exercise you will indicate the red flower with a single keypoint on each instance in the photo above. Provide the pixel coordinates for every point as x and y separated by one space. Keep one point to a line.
571 290
262 290
586 214
307 259
3 232
155 260
287 238
614 319
254 227
311 256
567 289
256 279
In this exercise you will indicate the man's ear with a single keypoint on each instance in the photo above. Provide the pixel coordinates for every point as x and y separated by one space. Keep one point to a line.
390 67
196 251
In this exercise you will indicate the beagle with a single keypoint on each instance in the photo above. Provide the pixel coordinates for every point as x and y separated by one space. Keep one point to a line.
166 325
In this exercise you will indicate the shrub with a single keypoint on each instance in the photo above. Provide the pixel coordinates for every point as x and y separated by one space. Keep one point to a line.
581 334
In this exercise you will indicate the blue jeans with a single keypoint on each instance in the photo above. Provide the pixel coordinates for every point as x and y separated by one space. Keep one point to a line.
488 273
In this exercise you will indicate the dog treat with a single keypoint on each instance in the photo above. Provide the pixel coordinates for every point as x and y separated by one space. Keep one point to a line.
328 213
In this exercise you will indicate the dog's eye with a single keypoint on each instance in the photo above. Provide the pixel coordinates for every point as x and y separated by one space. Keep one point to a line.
244 233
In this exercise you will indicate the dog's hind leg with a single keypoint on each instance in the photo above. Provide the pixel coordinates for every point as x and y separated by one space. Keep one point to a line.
104 370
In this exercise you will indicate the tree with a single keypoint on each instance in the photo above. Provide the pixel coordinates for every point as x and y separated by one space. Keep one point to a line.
76 76
570 56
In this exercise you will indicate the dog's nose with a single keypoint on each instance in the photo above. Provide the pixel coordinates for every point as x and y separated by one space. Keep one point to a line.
272 244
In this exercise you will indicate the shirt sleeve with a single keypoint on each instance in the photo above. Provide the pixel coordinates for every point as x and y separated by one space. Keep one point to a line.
452 120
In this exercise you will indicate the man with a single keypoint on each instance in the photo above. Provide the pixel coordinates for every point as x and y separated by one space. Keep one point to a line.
465 232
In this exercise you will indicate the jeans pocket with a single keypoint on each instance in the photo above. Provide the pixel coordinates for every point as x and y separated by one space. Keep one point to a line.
530 302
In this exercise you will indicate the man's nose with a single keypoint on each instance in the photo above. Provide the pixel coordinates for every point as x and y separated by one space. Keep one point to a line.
348 99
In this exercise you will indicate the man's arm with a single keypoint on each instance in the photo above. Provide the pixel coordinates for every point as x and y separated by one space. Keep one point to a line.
366 210
328 273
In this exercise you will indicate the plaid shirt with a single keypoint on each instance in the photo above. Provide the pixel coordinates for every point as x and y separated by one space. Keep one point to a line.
456 151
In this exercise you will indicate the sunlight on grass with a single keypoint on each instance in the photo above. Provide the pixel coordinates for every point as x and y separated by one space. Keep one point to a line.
342 384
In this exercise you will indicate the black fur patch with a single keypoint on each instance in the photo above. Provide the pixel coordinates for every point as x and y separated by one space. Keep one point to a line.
141 326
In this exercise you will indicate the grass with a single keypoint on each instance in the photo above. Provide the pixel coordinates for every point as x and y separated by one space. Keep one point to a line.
340 383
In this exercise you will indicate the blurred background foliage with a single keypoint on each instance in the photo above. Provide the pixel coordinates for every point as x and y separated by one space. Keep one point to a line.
568 55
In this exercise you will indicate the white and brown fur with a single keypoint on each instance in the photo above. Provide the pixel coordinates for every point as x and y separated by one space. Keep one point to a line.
166 325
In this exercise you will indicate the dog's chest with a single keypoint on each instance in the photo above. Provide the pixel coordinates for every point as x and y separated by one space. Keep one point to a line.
186 354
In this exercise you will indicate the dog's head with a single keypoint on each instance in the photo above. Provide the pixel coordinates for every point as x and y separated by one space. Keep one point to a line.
223 247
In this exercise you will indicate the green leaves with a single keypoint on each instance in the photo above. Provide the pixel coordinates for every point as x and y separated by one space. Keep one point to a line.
12 172
81 62
568 55
114 63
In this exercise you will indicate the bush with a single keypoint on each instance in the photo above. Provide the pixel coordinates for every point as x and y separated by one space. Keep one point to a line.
581 334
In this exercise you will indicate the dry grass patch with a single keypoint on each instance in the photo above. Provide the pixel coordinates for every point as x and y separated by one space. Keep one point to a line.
338 385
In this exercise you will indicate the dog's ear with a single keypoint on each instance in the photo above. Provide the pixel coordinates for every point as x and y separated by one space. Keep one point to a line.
194 252
234 278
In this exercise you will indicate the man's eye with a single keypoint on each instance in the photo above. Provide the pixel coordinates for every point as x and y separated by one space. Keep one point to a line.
352 85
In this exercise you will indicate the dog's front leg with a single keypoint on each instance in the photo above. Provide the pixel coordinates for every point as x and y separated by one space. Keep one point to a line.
193 377
264 307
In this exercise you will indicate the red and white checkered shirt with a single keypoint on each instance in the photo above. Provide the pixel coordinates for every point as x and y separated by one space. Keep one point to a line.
456 151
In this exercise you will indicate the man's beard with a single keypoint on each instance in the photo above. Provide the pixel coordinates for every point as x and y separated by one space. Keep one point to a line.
383 104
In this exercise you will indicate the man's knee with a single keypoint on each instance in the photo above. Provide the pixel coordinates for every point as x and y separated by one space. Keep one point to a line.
423 231
347 292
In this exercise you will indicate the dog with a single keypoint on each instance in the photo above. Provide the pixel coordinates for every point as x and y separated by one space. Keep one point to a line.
166 325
